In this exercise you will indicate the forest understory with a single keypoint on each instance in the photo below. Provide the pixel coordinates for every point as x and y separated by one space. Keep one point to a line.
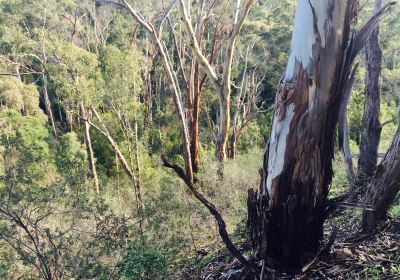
352 256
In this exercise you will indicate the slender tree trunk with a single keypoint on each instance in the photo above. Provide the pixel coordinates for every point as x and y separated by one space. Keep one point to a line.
47 104
286 218
15 71
179 108
89 148
148 99
222 86
232 145
385 186
138 187
348 158
68 120
224 120
371 133
195 143
174 88
104 131
343 129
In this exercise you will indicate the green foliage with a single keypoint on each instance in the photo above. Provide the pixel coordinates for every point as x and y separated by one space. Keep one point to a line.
71 159
143 263
95 54
16 95
250 138
25 149
355 115
389 114
78 78
121 71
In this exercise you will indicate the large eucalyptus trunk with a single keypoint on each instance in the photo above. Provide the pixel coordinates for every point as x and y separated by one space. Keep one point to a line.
371 133
286 217
384 188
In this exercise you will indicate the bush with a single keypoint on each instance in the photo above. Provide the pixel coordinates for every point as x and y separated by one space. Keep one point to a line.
143 263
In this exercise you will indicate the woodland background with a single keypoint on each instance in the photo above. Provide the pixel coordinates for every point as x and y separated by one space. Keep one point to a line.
86 111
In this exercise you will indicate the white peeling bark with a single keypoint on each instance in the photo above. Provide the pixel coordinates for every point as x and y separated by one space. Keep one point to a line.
304 36
286 218
309 14
280 131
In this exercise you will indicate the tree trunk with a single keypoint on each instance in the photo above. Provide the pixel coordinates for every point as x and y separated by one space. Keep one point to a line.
47 104
114 145
348 159
174 88
232 145
371 126
287 217
194 141
148 98
384 187
16 72
223 128
68 120
89 148
222 86
343 129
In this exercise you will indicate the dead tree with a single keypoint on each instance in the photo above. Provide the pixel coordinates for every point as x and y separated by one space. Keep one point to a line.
371 132
286 217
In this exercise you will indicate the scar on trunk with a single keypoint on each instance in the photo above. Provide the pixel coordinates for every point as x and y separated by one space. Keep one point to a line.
285 94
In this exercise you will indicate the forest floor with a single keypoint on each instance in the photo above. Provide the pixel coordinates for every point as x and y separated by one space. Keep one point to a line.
352 256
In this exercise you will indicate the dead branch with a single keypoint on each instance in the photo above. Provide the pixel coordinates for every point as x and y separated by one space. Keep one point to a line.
212 209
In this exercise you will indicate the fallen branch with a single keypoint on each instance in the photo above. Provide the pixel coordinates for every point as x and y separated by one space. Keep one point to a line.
213 210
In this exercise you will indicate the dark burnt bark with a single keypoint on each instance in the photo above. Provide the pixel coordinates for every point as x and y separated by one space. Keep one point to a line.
371 133
385 186
288 213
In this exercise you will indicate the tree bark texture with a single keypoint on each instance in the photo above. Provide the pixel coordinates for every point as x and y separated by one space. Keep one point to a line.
371 133
286 217
385 186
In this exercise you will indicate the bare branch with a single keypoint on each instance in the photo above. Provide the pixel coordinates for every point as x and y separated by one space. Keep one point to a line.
212 209
196 48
